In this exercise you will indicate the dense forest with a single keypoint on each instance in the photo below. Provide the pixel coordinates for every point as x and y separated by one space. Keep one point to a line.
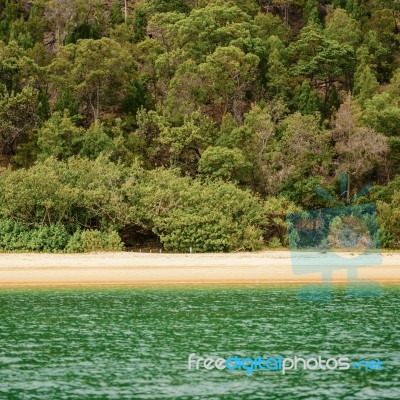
193 123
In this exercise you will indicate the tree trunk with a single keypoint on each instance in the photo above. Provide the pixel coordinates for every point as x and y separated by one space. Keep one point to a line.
126 10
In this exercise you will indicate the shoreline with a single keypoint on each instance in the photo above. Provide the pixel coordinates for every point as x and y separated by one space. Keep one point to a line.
150 269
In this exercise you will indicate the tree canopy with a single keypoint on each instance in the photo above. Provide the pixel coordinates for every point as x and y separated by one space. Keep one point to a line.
190 122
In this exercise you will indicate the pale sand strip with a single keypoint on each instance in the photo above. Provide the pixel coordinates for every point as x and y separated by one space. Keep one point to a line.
174 269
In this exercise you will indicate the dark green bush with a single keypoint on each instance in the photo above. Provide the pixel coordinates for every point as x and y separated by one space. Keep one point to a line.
13 236
48 238
18 237
54 238
205 216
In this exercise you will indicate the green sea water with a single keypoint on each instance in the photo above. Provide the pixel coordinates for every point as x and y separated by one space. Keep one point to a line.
134 343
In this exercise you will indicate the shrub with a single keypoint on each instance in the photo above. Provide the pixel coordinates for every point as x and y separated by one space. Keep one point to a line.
222 163
18 237
74 193
274 243
12 236
389 222
276 210
92 240
206 216
48 238
78 194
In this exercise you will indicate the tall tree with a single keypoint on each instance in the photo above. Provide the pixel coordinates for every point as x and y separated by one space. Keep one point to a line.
98 72
323 61
366 84
302 151
18 118
342 28
228 74
359 148
59 137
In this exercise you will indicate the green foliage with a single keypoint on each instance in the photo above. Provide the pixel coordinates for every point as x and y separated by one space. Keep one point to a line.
271 25
116 14
366 83
97 72
18 237
95 142
139 25
207 216
27 32
188 141
58 137
17 70
48 238
304 192
163 6
222 163
9 12
75 193
206 29
61 137
148 120
356 8
323 61
249 7
277 71
274 243
389 221
228 74
18 118
208 227
380 56
342 28
302 151
311 11
89 241
83 31
66 101
54 238
306 99
276 210
382 114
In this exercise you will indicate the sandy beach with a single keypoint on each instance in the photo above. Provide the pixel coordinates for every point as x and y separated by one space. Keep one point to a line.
271 267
